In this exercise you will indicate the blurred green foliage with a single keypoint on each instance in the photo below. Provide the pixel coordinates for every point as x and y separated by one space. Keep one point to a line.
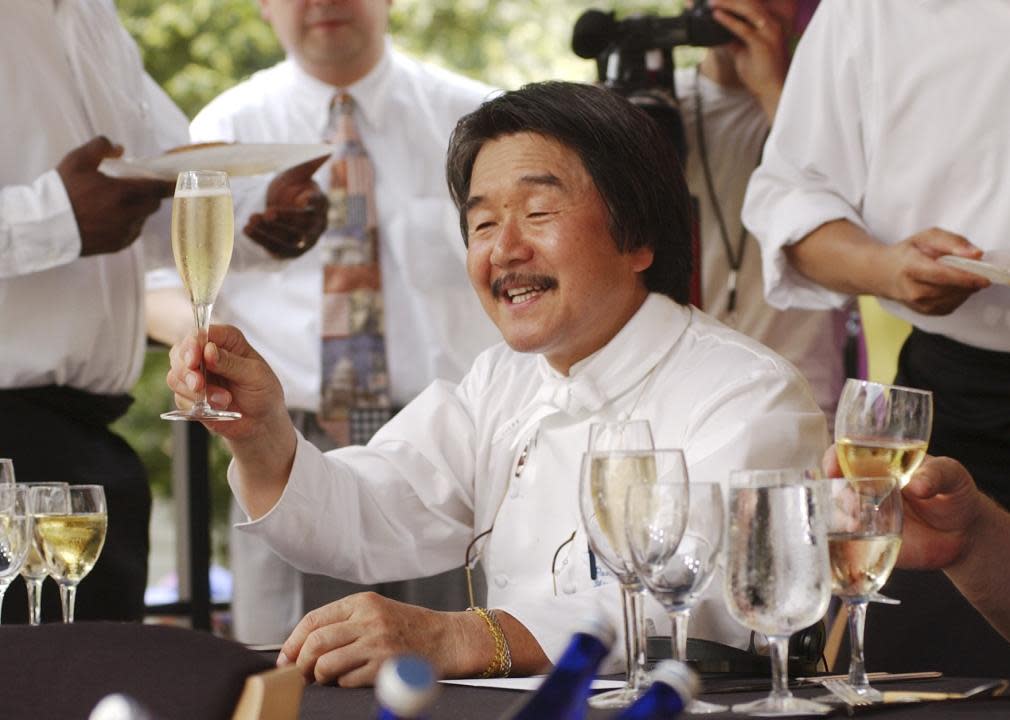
195 49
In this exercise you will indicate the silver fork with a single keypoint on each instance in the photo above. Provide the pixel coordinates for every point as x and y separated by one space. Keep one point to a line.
846 693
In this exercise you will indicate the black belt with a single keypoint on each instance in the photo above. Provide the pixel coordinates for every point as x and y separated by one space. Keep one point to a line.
92 409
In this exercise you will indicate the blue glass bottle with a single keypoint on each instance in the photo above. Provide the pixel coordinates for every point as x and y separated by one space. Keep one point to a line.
405 687
673 686
563 694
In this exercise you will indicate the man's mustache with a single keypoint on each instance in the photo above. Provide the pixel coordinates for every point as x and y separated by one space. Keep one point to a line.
544 282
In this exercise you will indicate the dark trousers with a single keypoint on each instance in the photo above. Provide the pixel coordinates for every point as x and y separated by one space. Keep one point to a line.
935 628
61 434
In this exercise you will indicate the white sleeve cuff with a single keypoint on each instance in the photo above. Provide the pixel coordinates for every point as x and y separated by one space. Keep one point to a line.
38 229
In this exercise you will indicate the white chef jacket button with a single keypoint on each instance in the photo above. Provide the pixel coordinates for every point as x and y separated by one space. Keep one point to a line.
501 580
568 588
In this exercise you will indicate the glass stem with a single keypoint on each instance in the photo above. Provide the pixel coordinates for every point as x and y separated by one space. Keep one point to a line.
857 624
201 313
68 594
779 647
34 588
678 633
637 647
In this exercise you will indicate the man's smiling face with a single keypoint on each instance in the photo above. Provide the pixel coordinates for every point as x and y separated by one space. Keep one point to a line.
540 253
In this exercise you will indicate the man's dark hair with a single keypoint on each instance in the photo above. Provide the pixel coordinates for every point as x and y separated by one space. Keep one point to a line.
632 163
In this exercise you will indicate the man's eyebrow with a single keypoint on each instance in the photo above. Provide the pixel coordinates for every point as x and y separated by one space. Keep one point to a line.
548 179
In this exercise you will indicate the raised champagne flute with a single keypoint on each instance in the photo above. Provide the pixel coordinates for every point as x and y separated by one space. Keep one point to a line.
35 570
882 430
71 528
864 537
603 493
778 580
15 533
202 237
677 570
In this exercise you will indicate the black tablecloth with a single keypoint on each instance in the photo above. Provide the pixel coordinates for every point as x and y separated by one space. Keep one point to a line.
464 703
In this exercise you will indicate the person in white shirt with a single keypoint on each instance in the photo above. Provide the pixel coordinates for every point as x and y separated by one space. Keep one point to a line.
71 313
434 327
888 152
727 104
577 231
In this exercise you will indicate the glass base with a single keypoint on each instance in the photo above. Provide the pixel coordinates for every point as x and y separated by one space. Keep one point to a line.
869 694
883 599
616 699
782 706
200 414
700 707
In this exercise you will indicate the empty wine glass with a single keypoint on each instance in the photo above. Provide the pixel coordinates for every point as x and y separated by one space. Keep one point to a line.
35 570
778 580
677 573
6 471
15 533
202 238
864 536
70 526
603 492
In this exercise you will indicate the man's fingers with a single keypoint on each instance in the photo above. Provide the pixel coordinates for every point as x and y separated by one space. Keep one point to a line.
302 172
936 243
91 153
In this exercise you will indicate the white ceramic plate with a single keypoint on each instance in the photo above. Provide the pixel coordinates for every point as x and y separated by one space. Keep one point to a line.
995 267
236 159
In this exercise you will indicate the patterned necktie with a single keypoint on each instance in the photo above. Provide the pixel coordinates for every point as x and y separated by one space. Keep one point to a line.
355 385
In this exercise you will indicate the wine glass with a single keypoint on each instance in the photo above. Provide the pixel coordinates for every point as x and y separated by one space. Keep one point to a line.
778 580
15 533
6 471
882 430
603 492
202 237
34 570
70 526
864 536
677 573
627 435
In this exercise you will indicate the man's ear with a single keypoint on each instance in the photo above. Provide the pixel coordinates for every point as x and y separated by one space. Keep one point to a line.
641 258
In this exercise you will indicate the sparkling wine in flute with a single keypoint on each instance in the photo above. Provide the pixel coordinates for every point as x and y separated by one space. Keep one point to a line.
202 237
71 544
611 477
861 564
869 457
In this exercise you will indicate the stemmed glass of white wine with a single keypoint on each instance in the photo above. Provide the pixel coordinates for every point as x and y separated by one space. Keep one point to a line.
778 580
70 525
202 236
864 537
34 570
15 533
603 493
882 429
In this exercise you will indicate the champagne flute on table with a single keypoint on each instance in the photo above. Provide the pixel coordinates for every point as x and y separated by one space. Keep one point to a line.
677 573
778 580
15 533
864 537
626 435
882 430
202 237
35 570
70 526
603 492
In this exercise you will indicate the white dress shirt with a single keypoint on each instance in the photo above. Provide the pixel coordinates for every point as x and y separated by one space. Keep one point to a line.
405 111
439 473
894 117
69 71
735 128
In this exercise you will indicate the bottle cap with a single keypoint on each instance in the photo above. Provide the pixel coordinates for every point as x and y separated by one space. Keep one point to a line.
678 676
406 685
599 626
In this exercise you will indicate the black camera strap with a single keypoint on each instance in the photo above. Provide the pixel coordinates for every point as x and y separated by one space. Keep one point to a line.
733 254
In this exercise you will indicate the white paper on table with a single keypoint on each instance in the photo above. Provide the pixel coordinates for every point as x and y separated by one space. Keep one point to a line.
527 683
236 159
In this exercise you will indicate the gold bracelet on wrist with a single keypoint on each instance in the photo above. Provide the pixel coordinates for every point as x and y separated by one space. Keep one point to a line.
501 661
